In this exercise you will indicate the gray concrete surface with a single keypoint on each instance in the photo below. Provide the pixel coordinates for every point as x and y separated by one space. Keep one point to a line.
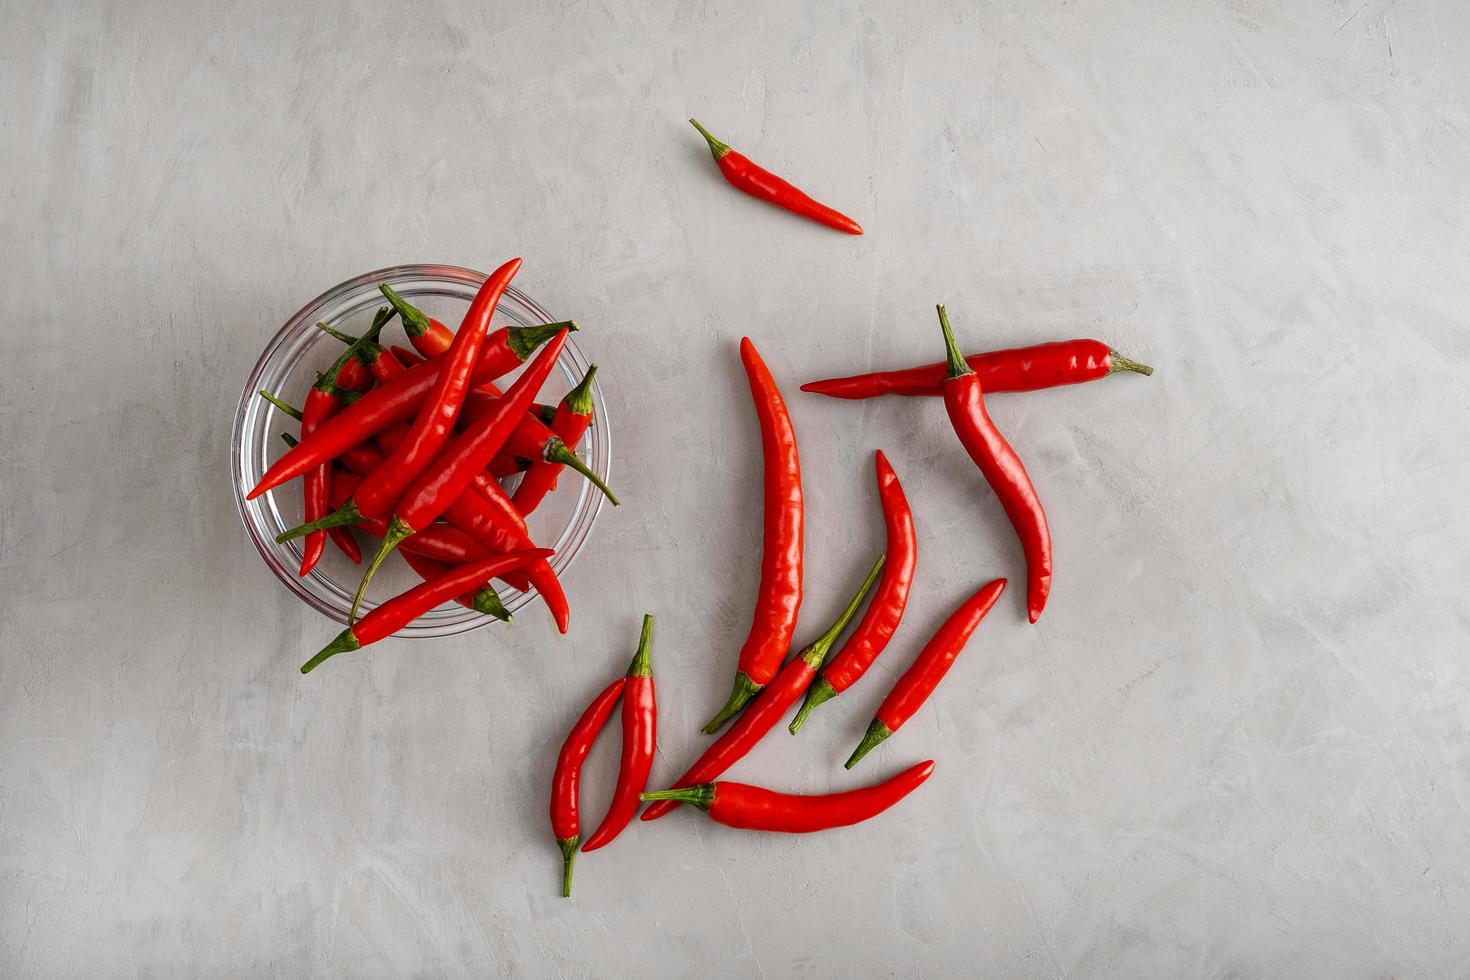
1235 746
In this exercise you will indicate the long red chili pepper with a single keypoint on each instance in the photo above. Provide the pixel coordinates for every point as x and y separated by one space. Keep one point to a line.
779 597
532 439
1065 362
401 610
767 708
759 182
483 600
565 781
964 400
640 738
388 404
928 669
448 476
885 611
572 419
753 808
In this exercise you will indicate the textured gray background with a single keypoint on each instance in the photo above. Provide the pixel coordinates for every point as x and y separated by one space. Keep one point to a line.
1234 746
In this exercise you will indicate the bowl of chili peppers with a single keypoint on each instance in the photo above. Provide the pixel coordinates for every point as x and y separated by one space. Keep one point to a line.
299 364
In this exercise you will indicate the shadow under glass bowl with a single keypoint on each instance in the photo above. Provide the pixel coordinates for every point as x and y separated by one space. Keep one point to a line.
287 369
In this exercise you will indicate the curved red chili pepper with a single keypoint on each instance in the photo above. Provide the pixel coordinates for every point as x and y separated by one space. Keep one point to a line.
568 775
753 808
964 400
640 738
759 182
885 611
928 669
1065 362
768 707
483 600
573 418
779 597
401 610
532 439
449 475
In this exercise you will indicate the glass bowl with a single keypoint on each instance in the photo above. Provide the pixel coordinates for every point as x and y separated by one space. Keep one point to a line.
288 368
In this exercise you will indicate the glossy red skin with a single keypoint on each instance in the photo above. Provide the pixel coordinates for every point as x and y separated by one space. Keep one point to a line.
541 478
484 485
884 613
406 357
765 710
401 610
779 597
759 182
933 662
964 400
384 406
317 485
433 423
470 513
1065 362
754 808
434 341
640 738
568 774
428 569
527 440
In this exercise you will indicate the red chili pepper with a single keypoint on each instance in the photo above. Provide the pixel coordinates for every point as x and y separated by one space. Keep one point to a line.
1065 362
779 598
441 483
483 600
388 404
531 439
406 356
472 515
928 668
640 738
964 400
428 336
753 808
401 610
759 182
767 708
572 419
885 611
568 775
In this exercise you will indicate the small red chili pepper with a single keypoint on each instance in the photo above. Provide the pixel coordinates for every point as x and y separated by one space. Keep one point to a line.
753 808
428 336
449 475
779 597
767 708
1065 362
885 611
759 182
401 610
568 775
388 404
573 418
483 600
640 738
928 669
964 400
532 439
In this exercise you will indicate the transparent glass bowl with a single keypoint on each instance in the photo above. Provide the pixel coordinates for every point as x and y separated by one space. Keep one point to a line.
288 367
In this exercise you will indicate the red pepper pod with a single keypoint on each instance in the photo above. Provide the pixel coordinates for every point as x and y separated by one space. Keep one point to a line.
928 669
572 419
640 739
753 808
483 600
761 183
885 612
769 705
401 610
1033 368
964 400
566 780
778 599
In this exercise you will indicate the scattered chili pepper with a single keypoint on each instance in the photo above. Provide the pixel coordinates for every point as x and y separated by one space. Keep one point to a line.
568 775
441 483
885 611
640 738
928 669
572 419
753 808
401 610
768 707
759 182
483 600
779 597
1065 362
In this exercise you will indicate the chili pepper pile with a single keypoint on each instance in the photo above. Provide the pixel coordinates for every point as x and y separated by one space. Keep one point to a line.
410 448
